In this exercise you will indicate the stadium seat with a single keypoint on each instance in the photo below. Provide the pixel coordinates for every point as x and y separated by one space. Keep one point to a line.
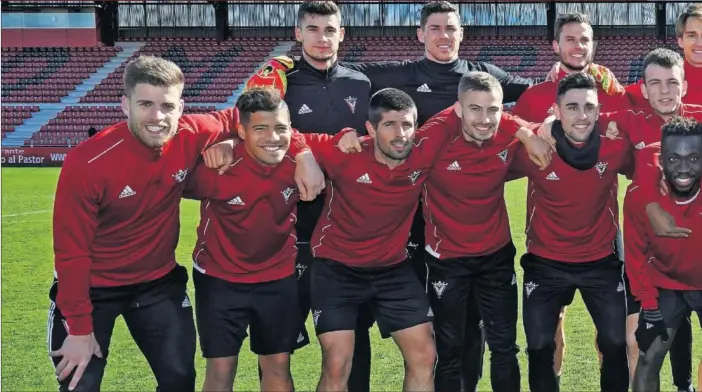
14 116
70 127
213 70
624 55
45 75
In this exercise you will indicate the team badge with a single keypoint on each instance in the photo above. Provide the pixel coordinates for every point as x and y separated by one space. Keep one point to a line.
351 101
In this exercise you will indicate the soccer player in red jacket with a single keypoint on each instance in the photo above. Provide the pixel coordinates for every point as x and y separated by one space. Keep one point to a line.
116 227
243 263
571 237
688 29
664 87
359 243
574 46
469 252
665 273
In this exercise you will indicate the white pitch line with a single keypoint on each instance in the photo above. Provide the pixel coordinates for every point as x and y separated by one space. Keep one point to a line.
25 213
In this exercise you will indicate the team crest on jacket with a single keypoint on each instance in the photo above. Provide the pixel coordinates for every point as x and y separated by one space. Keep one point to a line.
351 101
413 177
180 175
287 193
503 156
601 167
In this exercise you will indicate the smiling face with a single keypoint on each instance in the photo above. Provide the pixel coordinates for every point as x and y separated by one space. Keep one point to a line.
441 35
153 113
574 46
680 160
578 110
691 40
480 113
267 134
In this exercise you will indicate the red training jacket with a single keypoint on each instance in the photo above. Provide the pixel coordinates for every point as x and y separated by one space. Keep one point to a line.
659 262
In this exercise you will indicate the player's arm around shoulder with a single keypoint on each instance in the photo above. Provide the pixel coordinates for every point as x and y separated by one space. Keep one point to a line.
521 166
620 123
330 150
383 74
203 183
513 86
539 150
434 136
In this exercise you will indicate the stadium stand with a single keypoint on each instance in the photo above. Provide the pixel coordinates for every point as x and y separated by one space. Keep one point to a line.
13 116
212 69
59 91
624 55
43 75
70 126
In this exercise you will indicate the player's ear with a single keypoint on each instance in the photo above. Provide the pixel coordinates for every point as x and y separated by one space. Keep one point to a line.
342 34
460 34
458 109
684 87
556 47
370 129
125 105
644 91
681 43
556 111
182 107
420 35
241 131
298 34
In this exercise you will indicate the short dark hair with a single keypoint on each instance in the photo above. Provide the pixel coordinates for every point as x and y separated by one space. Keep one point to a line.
389 99
680 126
578 80
478 81
665 58
317 8
259 99
571 17
436 7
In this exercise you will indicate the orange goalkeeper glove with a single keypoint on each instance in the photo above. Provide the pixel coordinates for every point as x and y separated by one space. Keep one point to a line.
272 75
605 77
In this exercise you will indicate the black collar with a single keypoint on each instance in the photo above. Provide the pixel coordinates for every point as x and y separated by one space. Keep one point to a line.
439 68
329 73
580 158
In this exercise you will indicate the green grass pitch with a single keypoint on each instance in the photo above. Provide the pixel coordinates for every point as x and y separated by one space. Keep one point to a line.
27 265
